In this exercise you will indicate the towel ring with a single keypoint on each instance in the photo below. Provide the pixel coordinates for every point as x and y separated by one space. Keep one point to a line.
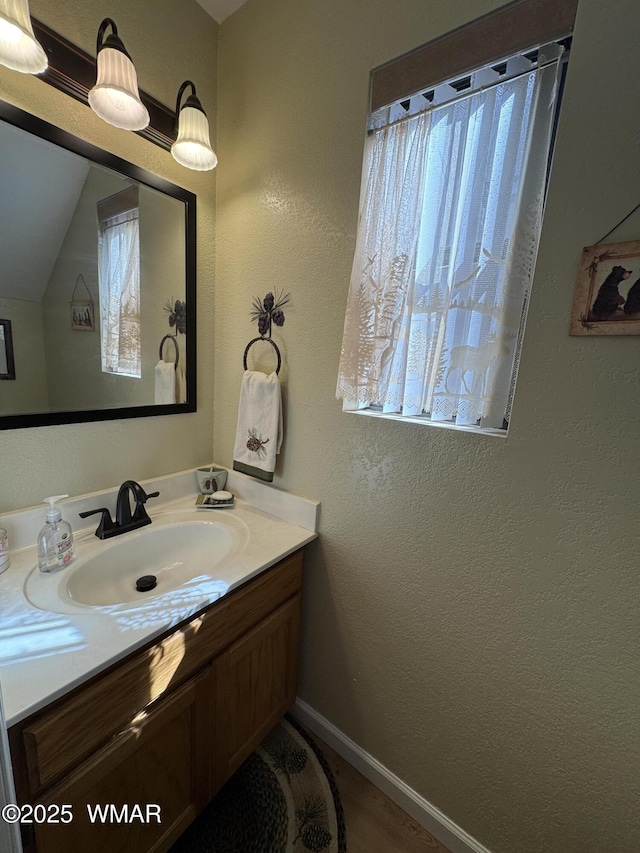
269 341
175 343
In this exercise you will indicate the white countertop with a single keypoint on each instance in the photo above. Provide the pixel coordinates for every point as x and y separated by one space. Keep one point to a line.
45 654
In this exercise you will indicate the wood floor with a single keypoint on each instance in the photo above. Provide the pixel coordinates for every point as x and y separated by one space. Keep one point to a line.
374 823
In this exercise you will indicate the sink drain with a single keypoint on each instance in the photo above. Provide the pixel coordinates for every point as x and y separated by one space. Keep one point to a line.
146 582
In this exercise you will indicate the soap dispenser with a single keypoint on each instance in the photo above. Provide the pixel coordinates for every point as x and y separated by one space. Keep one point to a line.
55 540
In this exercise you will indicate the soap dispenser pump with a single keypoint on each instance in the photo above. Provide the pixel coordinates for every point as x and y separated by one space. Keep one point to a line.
55 541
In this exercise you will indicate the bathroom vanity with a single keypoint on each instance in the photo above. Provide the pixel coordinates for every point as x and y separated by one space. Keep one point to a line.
158 729
167 726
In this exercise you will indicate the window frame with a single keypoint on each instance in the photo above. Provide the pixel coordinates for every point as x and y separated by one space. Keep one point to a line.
511 30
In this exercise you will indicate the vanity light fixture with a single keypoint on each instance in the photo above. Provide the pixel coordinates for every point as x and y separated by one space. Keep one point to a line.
19 48
192 148
115 97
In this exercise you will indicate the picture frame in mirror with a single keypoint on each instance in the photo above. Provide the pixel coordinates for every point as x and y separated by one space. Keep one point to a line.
7 362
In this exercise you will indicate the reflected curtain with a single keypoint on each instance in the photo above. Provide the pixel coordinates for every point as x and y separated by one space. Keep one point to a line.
119 277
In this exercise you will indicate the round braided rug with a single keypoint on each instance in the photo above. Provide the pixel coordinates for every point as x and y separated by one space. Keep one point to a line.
283 799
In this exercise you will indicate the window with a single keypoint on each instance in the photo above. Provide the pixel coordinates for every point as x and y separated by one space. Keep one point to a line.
451 208
119 281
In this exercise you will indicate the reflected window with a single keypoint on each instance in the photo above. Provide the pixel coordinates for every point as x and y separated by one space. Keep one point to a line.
119 281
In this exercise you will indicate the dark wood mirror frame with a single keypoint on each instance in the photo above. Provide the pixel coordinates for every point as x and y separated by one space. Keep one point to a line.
51 133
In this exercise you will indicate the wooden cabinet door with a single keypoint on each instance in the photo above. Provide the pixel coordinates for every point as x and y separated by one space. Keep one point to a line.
255 684
160 763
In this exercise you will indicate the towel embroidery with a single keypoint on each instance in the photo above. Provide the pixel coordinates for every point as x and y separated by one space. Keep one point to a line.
256 443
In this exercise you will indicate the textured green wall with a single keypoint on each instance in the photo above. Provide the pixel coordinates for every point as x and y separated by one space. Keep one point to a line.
471 605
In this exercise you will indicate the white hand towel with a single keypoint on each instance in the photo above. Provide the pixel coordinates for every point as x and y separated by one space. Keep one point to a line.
259 431
165 382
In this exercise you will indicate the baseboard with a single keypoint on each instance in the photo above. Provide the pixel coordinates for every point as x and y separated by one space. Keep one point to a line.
422 811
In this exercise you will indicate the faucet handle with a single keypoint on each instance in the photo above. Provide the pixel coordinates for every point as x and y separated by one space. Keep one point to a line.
140 513
106 522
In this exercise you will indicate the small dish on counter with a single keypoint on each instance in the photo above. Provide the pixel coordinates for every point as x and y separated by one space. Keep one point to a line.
218 500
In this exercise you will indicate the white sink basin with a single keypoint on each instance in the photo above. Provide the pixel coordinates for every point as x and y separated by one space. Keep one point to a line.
184 552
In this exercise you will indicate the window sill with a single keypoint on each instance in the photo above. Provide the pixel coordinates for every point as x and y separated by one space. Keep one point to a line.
388 416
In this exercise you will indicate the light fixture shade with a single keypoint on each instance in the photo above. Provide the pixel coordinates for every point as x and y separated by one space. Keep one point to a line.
192 148
19 49
115 97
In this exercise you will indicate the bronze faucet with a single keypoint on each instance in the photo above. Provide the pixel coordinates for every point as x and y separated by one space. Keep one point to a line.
125 520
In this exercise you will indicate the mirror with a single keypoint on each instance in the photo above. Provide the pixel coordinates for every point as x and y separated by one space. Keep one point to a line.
97 282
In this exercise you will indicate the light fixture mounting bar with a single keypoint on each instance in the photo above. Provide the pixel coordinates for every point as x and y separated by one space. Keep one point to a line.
73 71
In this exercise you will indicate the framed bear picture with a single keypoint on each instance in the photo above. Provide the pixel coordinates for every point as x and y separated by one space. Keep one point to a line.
607 297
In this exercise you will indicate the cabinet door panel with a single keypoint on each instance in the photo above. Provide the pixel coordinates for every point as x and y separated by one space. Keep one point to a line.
160 760
58 740
255 685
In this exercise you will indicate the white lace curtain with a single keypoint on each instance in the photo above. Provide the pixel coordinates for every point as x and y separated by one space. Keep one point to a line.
119 277
450 216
